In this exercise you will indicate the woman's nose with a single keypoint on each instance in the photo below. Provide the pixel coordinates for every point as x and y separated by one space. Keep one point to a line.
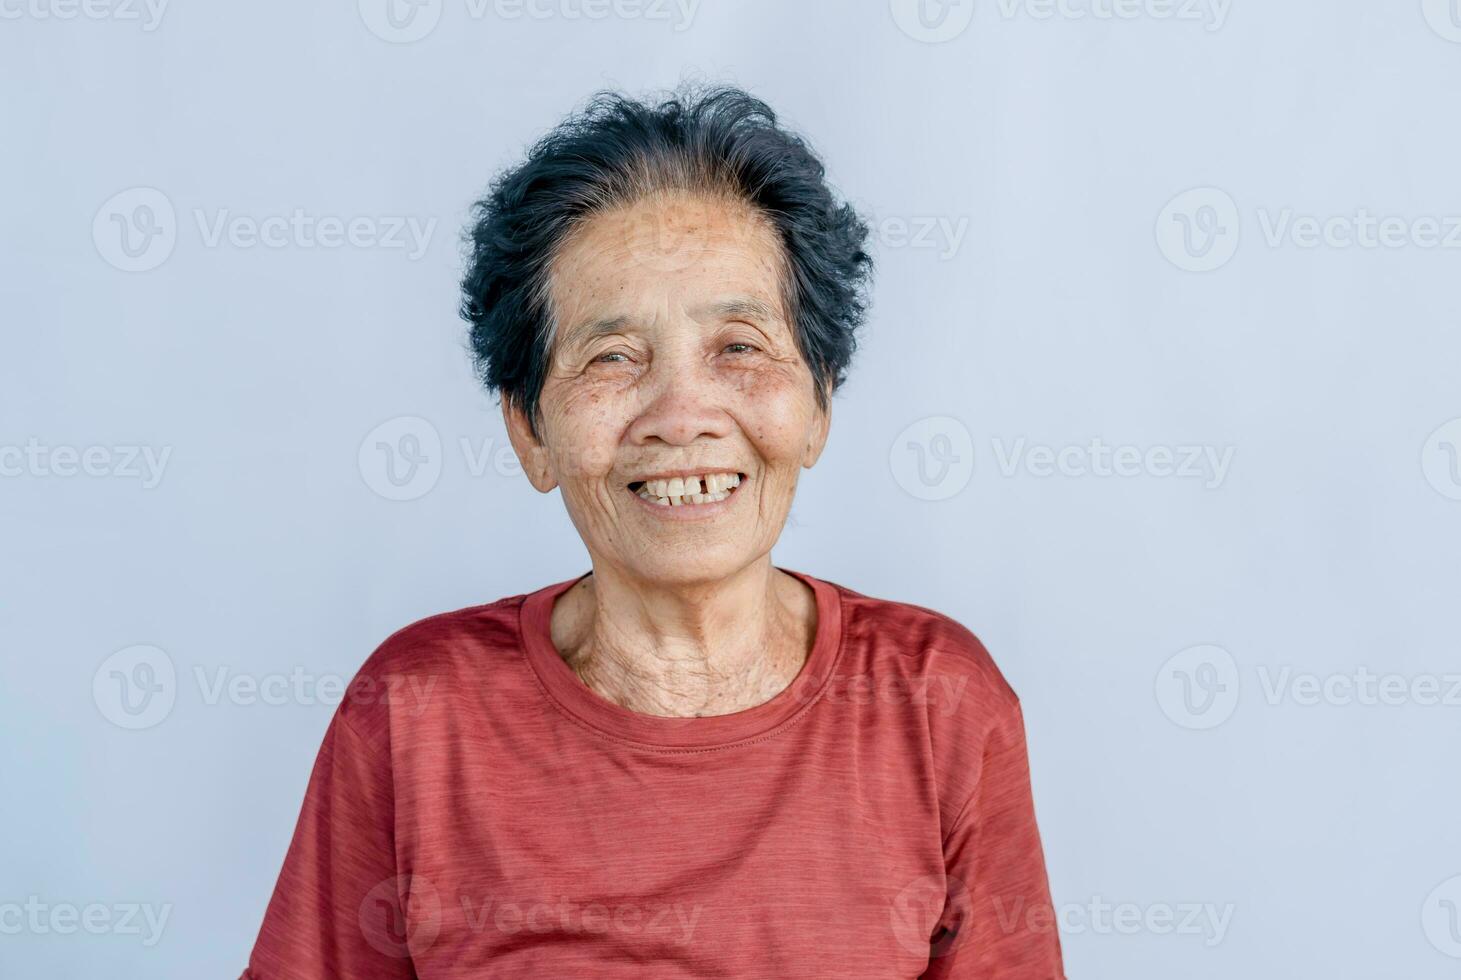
683 403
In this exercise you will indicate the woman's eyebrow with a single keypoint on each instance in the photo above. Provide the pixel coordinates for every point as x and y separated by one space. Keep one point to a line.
610 324
745 307
725 309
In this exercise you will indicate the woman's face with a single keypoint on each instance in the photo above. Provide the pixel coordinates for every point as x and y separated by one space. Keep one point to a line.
673 357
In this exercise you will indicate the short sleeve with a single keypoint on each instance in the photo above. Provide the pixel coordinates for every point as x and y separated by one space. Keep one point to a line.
998 922
336 909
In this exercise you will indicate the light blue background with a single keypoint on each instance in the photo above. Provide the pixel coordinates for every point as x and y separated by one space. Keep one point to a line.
1063 314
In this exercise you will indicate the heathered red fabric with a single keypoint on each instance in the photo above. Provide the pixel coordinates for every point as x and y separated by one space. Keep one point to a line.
477 811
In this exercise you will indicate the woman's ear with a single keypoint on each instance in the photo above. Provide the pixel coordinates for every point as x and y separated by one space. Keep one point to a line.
817 438
531 453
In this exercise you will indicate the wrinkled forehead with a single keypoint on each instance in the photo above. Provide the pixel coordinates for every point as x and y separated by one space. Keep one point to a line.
677 250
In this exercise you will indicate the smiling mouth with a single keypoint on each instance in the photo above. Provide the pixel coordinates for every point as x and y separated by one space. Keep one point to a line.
710 488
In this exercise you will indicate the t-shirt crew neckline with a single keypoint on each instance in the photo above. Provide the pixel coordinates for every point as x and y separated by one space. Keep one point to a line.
575 697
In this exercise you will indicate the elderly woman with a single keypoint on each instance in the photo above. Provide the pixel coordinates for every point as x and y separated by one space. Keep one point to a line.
687 761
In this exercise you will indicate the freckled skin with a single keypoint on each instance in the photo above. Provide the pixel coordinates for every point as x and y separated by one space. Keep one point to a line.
679 617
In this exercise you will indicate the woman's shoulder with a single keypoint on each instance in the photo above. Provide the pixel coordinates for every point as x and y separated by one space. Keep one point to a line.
909 639
427 660
936 668
449 635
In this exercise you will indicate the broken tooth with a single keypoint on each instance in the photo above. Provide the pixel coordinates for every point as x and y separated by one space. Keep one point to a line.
679 491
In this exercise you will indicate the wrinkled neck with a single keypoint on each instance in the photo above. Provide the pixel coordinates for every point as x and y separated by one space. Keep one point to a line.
686 650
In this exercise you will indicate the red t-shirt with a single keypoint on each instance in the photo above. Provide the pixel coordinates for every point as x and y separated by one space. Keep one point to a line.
477 811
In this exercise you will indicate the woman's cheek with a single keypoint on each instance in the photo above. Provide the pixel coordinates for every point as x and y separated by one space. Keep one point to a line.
778 415
587 422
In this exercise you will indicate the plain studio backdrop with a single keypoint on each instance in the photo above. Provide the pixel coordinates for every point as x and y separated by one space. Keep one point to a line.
1159 396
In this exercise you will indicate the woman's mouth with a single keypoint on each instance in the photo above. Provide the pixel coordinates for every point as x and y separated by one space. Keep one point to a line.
681 491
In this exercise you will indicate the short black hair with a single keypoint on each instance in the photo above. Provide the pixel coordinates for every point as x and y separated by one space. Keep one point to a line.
616 150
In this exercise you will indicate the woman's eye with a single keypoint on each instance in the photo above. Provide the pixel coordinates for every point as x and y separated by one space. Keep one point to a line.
612 353
743 348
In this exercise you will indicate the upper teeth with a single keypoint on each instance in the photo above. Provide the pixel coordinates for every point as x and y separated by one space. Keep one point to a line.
690 489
